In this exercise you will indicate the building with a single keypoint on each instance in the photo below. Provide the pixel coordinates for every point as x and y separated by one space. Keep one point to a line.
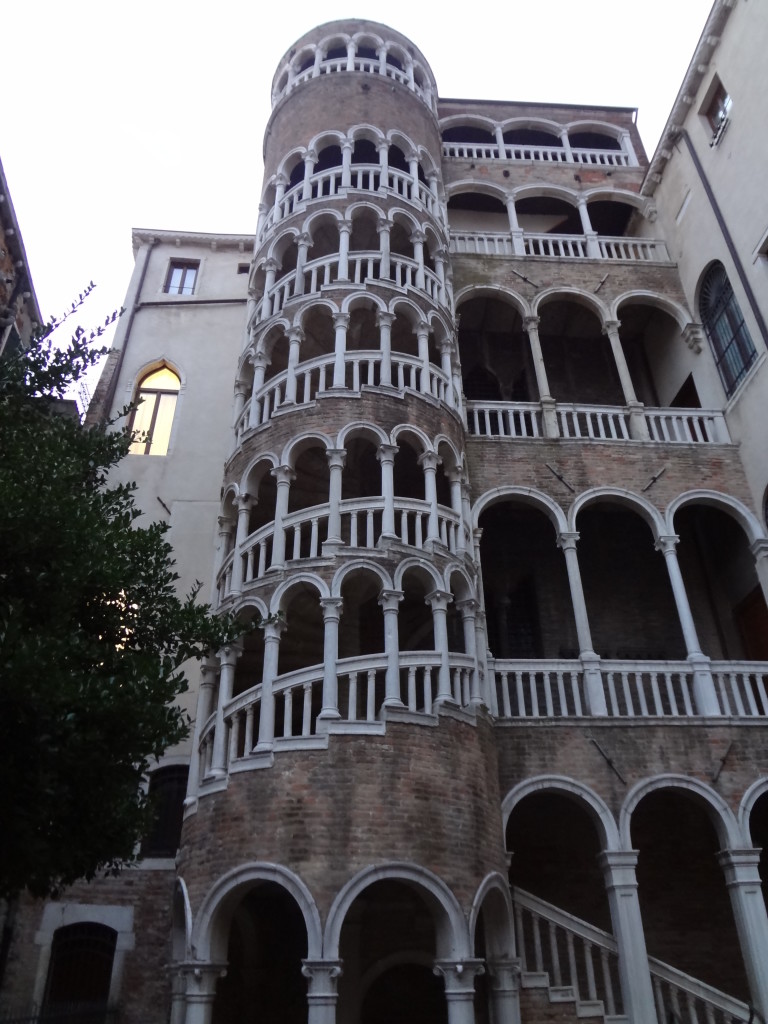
493 481
19 312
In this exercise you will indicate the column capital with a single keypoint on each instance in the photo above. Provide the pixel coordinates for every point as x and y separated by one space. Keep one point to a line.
445 345
740 866
387 452
271 263
459 976
567 541
208 670
347 144
341 319
384 319
531 323
382 224
390 599
666 543
759 549
310 156
504 973
337 457
429 460
226 525
344 226
618 867
304 238
200 979
611 325
274 628
295 334
693 336
283 474
468 607
438 599
281 179
244 502
418 238
228 655
422 329
332 607
261 359
321 972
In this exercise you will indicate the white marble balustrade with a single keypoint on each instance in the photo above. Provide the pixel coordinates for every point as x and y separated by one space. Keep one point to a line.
502 243
549 154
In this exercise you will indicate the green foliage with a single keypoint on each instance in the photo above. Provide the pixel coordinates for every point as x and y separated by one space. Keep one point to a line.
93 636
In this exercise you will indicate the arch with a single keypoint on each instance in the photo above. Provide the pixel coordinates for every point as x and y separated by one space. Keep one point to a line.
500 292
566 293
601 127
279 246
562 192
312 306
277 603
618 195
450 924
749 523
367 298
290 160
410 432
325 214
421 565
247 484
406 308
182 922
537 123
473 120
251 602
355 565
486 188
300 443
156 394
642 297
495 886
564 785
361 428
468 585
748 801
366 130
720 814
527 495
210 931
633 502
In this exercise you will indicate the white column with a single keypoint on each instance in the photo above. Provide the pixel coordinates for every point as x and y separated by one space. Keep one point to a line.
384 228
262 218
346 163
295 338
331 614
439 600
618 868
499 133
241 392
413 167
638 428
468 609
260 364
759 550
518 240
742 879
227 659
457 504
244 506
504 990
280 183
322 994
303 243
446 350
566 145
200 990
548 413
705 695
283 475
593 681
351 55
459 977
389 601
269 283
429 461
381 53
422 337
340 323
629 149
418 238
383 150
310 157
226 526
336 459
317 63
208 670
272 633
386 456
345 230
384 322
593 249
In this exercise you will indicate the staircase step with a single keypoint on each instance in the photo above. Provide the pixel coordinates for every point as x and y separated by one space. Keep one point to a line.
562 994
591 1008
534 979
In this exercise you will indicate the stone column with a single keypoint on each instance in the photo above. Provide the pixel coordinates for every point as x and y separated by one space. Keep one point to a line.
346 163
317 63
295 338
518 237
331 614
593 249
260 364
459 977
429 461
351 55
383 150
638 428
389 601
322 994
704 693
759 550
457 504
618 868
340 322
422 337
441 259
272 633
227 659
310 158
499 133
386 456
244 506
270 268
283 475
593 681
208 671
200 990
504 990
413 167
742 880
241 392
384 228
548 413
418 238
303 243
384 322
468 609
628 148
345 230
262 218
280 183
439 600
226 526
336 459
566 145
446 349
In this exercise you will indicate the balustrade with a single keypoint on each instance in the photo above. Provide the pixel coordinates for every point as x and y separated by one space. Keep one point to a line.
501 243
633 689
550 154
597 422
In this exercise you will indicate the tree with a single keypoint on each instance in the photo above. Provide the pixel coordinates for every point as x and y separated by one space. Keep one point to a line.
93 636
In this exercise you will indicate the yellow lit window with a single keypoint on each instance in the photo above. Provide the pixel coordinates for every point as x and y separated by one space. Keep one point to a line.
152 419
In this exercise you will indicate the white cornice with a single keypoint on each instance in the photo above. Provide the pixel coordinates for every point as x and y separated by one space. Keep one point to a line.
241 243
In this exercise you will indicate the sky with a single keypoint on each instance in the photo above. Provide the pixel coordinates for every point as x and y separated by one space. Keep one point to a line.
151 114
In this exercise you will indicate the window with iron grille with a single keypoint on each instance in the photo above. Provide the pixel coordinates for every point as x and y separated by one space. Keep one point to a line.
723 321
167 789
80 974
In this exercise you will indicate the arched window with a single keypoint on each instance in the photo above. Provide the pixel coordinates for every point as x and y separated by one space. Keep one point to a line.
723 321
152 419
80 972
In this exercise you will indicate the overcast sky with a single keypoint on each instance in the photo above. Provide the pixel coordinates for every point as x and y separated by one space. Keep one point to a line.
152 113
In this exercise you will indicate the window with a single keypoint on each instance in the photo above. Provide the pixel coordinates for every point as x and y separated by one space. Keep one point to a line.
152 419
80 973
716 110
167 789
723 321
182 275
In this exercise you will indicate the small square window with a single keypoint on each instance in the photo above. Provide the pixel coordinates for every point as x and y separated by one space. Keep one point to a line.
716 110
243 268
182 275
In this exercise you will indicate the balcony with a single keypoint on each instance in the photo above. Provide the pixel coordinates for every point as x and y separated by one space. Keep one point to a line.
546 154
555 246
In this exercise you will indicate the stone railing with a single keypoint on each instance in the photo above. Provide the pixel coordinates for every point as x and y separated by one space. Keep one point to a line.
631 689
362 268
361 528
596 422
362 178
361 694
569 247
574 954
549 154
367 65
363 368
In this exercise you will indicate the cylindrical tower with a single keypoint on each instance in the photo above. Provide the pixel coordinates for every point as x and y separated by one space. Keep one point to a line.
343 845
